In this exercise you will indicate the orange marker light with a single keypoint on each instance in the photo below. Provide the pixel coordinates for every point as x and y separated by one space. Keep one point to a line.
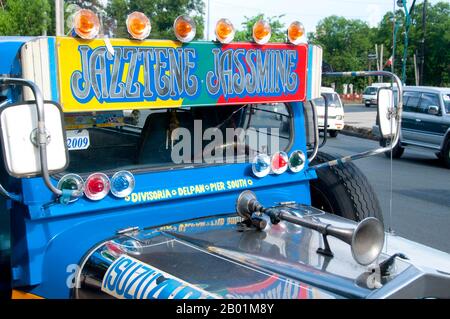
86 24
262 32
184 28
296 32
225 31
138 25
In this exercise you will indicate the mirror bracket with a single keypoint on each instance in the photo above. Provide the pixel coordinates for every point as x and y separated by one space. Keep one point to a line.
46 139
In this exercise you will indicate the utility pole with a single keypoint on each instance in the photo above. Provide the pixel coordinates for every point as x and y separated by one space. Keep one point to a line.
395 25
407 25
381 61
416 73
371 57
379 57
59 17
422 48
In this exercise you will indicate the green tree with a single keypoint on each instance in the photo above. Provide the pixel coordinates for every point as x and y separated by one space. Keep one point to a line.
277 27
162 14
346 44
437 42
22 17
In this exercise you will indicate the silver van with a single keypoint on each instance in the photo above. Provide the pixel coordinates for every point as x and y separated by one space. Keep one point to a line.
426 121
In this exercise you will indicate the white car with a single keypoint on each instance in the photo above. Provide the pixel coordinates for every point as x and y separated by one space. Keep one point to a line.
335 111
369 96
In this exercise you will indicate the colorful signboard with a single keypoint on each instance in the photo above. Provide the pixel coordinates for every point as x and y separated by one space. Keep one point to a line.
118 74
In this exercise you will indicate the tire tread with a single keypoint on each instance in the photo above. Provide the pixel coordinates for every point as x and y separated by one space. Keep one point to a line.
361 193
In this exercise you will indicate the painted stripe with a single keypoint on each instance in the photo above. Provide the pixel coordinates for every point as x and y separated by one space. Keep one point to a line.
17 294
309 72
52 69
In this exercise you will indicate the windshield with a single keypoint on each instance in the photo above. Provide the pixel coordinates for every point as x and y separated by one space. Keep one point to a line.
332 98
370 90
446 99
163 138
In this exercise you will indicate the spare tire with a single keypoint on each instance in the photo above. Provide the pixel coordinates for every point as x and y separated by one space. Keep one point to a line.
343 190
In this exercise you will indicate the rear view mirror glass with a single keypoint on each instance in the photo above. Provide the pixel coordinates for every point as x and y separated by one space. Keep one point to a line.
388 125
19 133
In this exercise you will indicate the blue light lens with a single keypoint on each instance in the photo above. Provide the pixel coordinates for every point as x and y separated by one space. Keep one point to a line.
122 184
261 165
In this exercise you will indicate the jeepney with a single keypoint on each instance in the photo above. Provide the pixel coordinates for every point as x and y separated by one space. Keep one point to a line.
138 168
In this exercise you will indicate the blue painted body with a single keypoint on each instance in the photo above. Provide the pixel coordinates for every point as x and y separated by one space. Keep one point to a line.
10 51
48 239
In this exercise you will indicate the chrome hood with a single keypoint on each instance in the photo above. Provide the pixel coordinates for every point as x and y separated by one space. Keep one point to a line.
218 258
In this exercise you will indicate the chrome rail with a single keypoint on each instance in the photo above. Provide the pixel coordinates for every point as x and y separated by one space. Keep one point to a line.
397 113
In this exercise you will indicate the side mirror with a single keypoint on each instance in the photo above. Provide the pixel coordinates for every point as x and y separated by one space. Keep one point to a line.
19 139
433 110
387 123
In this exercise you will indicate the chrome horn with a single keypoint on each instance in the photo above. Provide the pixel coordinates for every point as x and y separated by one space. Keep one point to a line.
366 239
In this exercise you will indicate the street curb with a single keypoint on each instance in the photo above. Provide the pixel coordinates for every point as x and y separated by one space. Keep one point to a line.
361 132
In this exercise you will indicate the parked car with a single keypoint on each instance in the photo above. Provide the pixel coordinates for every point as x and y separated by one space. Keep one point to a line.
371 92
425 121
335 111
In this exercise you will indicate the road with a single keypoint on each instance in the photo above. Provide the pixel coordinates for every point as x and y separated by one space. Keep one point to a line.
421 190
359 115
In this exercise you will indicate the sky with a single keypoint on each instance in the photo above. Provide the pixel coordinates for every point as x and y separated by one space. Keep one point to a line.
306 11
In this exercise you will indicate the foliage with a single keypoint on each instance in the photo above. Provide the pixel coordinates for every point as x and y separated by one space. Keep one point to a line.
346 42
162 14
23 17
278 28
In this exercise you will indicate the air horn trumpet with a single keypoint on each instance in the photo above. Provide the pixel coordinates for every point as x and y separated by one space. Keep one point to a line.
366 239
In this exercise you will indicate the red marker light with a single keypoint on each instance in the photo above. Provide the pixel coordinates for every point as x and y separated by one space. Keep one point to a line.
279 163
97 186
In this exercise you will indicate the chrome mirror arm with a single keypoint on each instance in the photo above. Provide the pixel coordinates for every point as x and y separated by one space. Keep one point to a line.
325 122
397 113
41 137
316 132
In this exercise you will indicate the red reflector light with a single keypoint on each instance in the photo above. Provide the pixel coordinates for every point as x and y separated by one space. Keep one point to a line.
279 163
97 186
